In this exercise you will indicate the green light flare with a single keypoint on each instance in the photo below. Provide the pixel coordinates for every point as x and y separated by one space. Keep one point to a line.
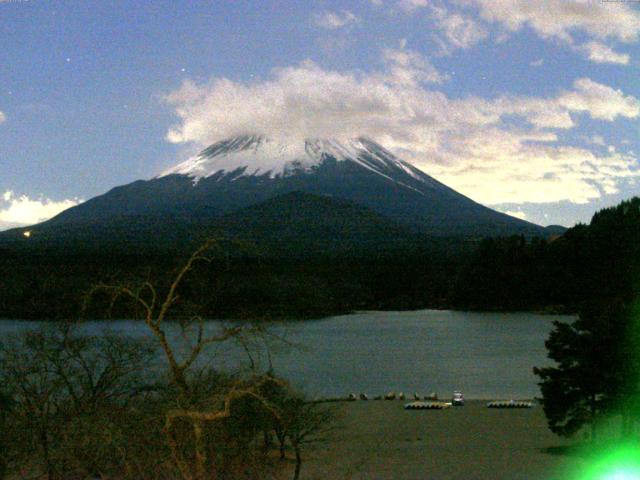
617 463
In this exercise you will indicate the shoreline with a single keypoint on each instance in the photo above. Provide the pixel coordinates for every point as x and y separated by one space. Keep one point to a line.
383 441
409 398
294 319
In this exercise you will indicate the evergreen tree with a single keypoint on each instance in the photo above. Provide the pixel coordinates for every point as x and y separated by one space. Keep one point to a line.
597 364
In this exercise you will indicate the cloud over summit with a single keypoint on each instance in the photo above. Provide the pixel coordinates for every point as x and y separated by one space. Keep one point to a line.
308 101
471 143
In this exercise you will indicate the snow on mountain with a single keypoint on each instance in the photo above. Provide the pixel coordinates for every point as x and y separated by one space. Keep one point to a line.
234 174
253 155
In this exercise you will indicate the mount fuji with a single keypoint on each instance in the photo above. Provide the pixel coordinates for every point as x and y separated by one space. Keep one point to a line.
236 173
306 229
257 188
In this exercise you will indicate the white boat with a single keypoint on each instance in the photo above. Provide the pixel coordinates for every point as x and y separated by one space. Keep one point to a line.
426 405
509 404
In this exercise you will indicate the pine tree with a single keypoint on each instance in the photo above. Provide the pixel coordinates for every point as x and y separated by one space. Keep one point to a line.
597 364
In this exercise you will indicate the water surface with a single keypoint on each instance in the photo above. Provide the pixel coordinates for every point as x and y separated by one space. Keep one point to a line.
486 355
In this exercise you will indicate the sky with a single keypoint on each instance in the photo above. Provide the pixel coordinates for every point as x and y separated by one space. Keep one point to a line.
531 108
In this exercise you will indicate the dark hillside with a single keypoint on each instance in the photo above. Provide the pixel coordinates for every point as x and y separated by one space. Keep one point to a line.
599 260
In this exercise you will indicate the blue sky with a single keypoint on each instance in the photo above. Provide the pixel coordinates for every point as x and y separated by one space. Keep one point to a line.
529 107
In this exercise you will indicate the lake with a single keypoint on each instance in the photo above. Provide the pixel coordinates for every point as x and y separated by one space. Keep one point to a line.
486 355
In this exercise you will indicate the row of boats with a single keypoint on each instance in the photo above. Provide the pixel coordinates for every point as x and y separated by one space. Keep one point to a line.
391 396
431 402
419 405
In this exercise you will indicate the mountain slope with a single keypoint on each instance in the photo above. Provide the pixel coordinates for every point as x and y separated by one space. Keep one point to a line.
244 171
295 224
300 224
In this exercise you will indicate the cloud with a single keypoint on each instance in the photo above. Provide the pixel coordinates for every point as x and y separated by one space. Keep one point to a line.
599 101
22 210
537 63
408 67
600 53
377 3
411 5
562 18
459 31
334 20
516 213
596 100
305 100
470 143
3 117
565 21
507 167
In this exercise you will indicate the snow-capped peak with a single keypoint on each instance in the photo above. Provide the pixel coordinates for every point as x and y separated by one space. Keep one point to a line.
254 155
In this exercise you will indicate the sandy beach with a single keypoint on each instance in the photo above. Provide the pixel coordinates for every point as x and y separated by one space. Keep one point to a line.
381 440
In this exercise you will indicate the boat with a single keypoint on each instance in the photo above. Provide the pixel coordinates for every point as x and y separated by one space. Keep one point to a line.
509 404
426 405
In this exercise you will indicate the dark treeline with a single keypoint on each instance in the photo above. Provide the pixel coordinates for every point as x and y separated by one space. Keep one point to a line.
597 356
294 281
588 263
53 285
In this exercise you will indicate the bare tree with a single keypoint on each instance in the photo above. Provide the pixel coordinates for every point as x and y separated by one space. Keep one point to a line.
36 390
60 383
305 423
156 310
82 400
198 419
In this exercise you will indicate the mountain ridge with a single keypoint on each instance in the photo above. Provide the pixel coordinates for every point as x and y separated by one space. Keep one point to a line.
294 224
362 172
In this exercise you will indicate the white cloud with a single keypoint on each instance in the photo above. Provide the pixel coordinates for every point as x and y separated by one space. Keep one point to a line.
334 20
410 5
377 3
22 210
306 100
562 18
516 213
537 63
469 143
459 31
599 101
504 167
3 117
600 53
408 67
597 140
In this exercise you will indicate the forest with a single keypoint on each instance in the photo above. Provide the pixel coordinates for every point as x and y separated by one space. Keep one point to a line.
557 274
